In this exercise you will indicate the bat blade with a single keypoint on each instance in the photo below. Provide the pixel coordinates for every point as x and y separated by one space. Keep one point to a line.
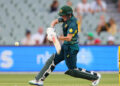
56 44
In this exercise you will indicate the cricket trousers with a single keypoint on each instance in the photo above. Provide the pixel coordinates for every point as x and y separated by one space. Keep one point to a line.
69 55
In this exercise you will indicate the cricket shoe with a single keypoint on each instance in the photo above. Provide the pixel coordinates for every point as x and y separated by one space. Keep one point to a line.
96 82
35 82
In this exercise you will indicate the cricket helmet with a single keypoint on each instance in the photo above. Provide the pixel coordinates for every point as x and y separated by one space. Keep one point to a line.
65 10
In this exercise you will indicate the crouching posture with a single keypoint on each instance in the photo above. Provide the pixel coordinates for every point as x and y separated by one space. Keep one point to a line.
68 52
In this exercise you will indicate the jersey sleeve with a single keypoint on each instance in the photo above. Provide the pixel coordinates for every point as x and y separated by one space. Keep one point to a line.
60 19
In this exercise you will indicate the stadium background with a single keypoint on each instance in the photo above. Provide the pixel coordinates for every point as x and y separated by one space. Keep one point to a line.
17 16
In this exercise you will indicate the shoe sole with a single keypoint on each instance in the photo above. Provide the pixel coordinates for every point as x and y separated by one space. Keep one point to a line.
99 80
34 84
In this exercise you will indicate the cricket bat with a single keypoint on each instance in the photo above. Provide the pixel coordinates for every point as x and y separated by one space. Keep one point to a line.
56 44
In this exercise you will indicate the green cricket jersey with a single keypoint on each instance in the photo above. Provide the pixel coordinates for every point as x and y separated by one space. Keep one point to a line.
70 27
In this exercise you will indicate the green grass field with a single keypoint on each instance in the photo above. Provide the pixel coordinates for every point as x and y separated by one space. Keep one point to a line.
108 79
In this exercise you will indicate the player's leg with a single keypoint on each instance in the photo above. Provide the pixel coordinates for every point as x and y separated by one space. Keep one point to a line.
48 68
70 59
82 73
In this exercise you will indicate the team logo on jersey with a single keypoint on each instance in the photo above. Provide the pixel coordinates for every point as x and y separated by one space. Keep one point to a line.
65 25
71 30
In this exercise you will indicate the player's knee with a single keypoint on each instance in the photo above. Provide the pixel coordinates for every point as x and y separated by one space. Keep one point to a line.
71 67
58 59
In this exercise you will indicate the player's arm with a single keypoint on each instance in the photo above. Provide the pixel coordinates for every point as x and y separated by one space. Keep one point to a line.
70 33
54 22
67 38
50 31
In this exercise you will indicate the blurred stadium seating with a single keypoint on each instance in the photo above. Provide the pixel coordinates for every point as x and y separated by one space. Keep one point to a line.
18 15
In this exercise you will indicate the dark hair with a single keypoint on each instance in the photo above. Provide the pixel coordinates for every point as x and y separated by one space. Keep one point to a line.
54 2
27 32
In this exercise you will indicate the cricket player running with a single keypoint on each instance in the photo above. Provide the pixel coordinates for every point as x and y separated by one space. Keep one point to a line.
68 52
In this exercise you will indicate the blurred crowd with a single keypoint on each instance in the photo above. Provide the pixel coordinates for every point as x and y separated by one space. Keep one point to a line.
38 38
82 9
117 2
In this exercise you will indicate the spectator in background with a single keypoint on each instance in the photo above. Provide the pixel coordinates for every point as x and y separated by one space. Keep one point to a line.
54 6
28 39
46 41
102 26
111 40
90 39
39 37
69 3
118 5
112 27
99 6
83 8
97 41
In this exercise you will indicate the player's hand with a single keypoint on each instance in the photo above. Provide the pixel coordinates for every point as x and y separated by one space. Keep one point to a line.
50 30
49 37
50 33
60 37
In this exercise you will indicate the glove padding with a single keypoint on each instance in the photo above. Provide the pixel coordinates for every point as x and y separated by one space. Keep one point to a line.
50 33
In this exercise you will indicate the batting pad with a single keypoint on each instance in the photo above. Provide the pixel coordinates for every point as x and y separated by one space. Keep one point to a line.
47 69
82 73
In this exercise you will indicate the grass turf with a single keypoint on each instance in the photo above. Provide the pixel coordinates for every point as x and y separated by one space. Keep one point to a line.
110 79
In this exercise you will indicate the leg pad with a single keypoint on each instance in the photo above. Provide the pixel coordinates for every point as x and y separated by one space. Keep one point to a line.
82 73
47 69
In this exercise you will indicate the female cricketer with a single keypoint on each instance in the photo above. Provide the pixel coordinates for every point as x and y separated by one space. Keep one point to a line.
68 52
